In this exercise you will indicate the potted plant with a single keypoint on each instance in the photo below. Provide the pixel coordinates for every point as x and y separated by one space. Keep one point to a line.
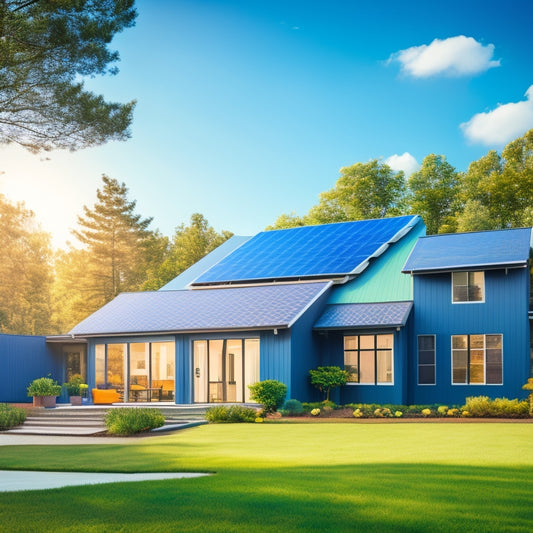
74 387
44 392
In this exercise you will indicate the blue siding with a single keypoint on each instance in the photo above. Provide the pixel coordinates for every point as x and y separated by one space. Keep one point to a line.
23 359
332 353
504 311
305 351
275 357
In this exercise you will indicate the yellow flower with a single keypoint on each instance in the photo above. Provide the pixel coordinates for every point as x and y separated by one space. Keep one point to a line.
259 419
315 412
357 413
426 412
398 414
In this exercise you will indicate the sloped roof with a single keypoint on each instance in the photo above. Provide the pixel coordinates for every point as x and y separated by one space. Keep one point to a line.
377 315
309 252
212 258
484 249
254 307
383 280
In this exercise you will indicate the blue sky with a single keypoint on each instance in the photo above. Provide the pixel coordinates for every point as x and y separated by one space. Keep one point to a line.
248 108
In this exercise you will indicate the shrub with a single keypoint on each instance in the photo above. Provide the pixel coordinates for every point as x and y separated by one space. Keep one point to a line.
231 414
529 386
74 385
270 393
131 420
292 408
44 387
315 411
325 378
11 416
483 406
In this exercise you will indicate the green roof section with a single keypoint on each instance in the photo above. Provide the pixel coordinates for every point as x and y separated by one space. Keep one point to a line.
383 280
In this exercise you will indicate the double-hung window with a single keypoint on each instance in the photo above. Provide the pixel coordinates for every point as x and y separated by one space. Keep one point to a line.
369 359
477 359
468 287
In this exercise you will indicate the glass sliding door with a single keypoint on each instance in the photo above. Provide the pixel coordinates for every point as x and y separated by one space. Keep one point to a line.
141 371
163 370
216 371
251 365
223 369
139 379
200 371
233 374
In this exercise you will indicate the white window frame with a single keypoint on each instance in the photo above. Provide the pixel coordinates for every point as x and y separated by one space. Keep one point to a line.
482 287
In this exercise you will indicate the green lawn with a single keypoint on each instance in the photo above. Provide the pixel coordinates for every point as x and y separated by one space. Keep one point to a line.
291 477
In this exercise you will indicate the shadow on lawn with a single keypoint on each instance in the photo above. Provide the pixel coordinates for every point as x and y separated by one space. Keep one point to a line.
371 497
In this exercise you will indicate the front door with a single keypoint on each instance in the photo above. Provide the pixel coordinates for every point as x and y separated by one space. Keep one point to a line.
219 370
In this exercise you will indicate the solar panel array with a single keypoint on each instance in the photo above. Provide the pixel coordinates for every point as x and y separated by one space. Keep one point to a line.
309 251
469 250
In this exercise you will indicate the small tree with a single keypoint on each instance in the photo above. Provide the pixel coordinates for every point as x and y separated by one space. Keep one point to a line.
325 378
270 393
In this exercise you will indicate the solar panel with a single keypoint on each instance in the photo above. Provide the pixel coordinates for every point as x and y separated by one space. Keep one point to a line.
468 250
310 251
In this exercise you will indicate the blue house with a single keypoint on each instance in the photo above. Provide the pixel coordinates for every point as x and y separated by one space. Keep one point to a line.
413 319
472 322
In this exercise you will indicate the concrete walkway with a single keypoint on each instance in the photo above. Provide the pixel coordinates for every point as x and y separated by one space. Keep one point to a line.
16 480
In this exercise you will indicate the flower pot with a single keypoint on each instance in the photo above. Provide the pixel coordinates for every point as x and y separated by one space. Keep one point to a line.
75 400
44 401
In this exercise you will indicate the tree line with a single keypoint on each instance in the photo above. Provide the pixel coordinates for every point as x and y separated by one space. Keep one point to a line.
495 192
45 291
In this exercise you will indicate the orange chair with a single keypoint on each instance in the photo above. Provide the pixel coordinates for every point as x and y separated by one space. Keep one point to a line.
105 396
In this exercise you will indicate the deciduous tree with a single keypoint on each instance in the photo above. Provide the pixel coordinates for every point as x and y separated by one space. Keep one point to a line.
25 272
433 192
190 243
364 190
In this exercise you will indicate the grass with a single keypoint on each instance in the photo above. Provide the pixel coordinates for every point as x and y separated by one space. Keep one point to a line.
290 477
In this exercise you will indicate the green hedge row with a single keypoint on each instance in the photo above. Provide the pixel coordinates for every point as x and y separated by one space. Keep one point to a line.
11 416
477 406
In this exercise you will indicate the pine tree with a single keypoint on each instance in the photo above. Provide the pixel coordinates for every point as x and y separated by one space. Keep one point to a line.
116 239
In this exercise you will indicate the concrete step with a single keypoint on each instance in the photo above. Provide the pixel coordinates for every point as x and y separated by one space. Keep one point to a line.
56 430
75 422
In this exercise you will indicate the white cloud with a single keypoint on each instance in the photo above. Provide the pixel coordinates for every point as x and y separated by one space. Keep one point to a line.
405 162
501 125
455 56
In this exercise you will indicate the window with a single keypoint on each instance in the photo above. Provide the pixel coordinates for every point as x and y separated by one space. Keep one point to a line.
477 359
426 359
369 359
468 287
